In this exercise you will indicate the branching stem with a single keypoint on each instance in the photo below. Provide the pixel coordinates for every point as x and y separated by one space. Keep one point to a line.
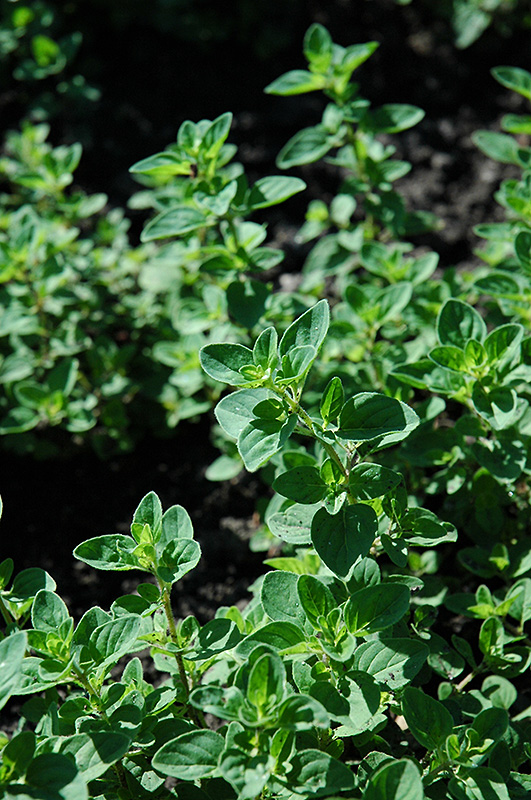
305 418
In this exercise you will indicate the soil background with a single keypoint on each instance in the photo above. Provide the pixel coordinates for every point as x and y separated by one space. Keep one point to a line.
158 64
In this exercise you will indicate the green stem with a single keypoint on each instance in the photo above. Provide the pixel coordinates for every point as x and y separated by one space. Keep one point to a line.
85 681
468 678
197 715
516 631
173 636
308 422
446 766
7 615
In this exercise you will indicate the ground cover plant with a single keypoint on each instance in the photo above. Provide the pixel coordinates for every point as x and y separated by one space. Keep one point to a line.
385 408
324 683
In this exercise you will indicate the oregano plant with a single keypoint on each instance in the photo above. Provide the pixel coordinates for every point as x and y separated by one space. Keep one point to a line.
332 681
384 652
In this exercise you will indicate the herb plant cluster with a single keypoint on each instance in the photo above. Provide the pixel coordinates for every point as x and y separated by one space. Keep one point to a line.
384 655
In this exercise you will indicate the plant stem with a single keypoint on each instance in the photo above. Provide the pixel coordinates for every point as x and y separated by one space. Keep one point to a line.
468 678
305 418
173 636
196 714
516 631
7 615
85 681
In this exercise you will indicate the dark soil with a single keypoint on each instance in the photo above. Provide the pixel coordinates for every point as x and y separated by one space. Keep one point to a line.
151 81
53 506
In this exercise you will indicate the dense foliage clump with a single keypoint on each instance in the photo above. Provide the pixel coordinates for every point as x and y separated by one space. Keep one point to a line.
384 654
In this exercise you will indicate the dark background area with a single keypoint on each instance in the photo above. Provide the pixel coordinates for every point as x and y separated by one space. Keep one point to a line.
158 64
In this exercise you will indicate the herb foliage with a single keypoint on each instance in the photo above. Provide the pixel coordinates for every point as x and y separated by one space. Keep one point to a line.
391 421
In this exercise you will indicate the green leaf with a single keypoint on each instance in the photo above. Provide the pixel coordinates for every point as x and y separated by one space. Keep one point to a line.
490 724
215 135
397 780
450 357
293 525
300 713
53 775
266 685
176 221
219 203
307 146
31 395
491 637
272 190
392 300
393 118
365 573
309 329
475 354
519 80
356 54
62 378
296 81
45 51
500 692
279 596
246 301
302 484
235 411
28 582
318 47
498 146
458 322
262 438
18 752
246 774
316 774
282 636
19 420
341 539
265 349
422 528
368 416
225 703
393 662
148 512
353 703
112 552
295 364
428 720
178 557
12 651
316 599
516 123
499 406
376 608
176 524
93 752
217 636
481 783
224 361
191 756
114 639
332 401
48 611
499 284
522 246
90 620
502 343
367 481
162 165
